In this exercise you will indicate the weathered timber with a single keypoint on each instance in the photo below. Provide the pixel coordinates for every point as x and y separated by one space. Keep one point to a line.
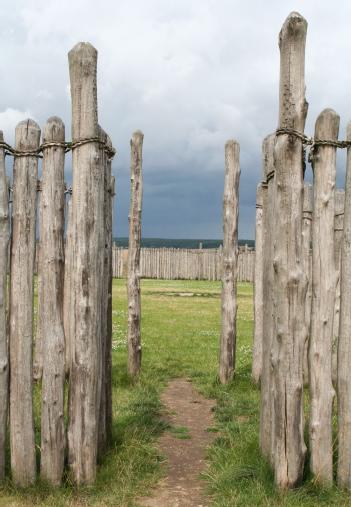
51 269
323 297
344 342
134 310
261 198
338 235
25 175
306 252
230 260
68 292
267 406
290 281
87 267
4 363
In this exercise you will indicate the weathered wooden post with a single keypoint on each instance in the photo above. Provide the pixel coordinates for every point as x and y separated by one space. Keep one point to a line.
4 366
230 256
51 270
344 342
87 267
323 297
108 359
25 175
290 281
68 293
261 203
338 235
306 252
134 311
267 406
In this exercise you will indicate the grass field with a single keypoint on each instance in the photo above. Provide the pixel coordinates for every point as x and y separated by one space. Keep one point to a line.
180 333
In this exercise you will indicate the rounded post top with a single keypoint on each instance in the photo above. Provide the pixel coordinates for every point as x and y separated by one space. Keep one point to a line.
137 137
27 136
231 143
327 125
54 130
83 50
294 24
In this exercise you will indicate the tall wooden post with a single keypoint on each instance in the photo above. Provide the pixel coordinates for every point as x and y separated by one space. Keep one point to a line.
68 293
323 297
290 281
261 199
344 342
267 407
87 267
51 269
4 365
25 175
230 256
338 236
108 359
306 252
134 311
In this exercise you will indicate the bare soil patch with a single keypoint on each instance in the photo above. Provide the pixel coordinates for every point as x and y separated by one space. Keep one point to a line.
190 416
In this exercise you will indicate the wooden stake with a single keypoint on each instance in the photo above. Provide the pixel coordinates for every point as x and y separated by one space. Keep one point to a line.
267 406
344 342
25 176
338 235
290 281
306 252
4 366
230 261
323 297
51 269
134 311
87 268
261 198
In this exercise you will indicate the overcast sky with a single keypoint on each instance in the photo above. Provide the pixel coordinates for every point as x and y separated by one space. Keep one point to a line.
190 74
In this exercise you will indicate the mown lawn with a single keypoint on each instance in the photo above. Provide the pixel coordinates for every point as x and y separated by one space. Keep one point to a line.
180 332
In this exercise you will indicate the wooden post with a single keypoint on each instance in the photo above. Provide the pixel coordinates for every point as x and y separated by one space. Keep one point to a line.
338 235
344 342
267 406
51 269
67 290
87 267
290 281
134 312
306 252
323 297
230 259
108 359
258 288
4 366
25 175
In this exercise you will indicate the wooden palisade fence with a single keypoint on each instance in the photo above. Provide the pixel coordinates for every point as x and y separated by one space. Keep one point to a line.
302 335
74 324
184 264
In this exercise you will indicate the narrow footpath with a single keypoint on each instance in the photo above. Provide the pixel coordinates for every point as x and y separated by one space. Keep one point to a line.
190 416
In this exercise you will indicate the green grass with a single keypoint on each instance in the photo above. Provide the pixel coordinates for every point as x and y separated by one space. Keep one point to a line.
180 337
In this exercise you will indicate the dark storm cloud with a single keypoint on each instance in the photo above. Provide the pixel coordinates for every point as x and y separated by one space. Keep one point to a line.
190 75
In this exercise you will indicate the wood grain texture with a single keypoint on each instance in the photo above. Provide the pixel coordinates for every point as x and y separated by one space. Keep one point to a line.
230 253
344 342
25 175
87 268
4 362
134 307
290 280
51 269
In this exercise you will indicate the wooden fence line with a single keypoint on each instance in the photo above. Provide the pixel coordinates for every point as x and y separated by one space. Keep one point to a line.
183 264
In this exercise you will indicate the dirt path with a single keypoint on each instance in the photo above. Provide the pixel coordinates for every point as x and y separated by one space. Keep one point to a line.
184 446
